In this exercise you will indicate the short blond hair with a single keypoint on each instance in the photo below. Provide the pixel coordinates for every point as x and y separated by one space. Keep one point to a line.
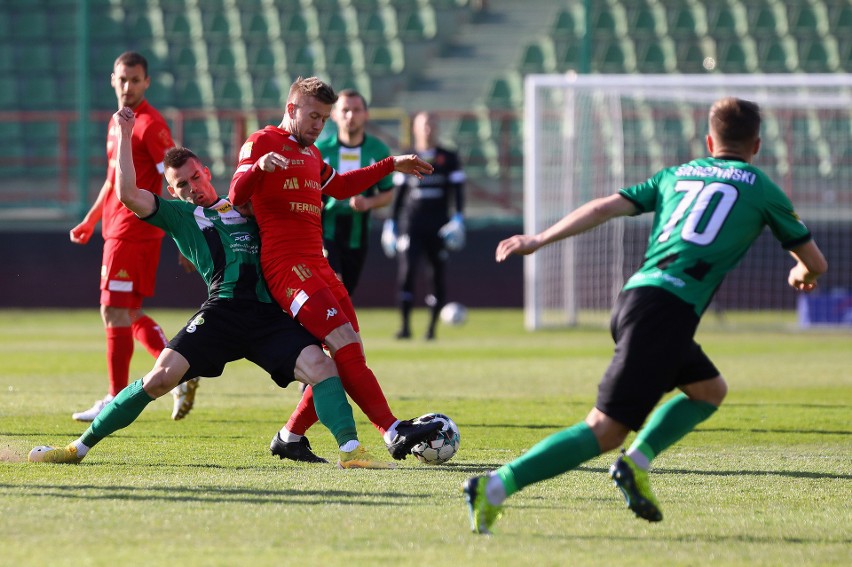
313 87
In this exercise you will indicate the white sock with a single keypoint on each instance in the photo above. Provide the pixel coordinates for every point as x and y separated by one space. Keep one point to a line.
81 449
288 437
390 433
638 458
349 446
494 490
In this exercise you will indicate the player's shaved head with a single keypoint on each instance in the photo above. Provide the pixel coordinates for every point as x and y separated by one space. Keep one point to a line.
176 157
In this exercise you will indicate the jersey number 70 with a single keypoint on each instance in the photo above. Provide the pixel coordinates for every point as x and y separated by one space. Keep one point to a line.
705 207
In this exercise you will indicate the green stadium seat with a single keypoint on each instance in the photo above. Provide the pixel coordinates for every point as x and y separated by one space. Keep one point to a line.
818 55
161 91
480 159
807 20
261 59
377 26
616 56
568 58
307 59
844 52
216 25
184 59
228 93
504 93
647 21
655 55
222 60
736 56
767 19
386 58
691 53
187 92
61 22
569 24
538 57
140 26
778 55
350 79
339 25
268 93
840 19
686 21
33 57
468 130
300 26
104 26
345 56
727 21
255 25
418 25
607 21
176 25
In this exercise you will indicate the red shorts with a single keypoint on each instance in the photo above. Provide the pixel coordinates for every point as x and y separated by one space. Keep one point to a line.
292 285
129 272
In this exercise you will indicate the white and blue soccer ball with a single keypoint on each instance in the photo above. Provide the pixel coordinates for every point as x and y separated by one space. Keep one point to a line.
454 314
441 445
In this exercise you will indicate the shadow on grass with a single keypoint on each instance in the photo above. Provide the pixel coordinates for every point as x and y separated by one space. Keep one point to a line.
740 473
213 494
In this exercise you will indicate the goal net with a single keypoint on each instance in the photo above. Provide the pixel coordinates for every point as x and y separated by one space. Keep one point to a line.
587 136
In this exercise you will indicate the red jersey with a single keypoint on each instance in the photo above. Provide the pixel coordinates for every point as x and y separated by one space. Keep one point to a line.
288 202
151 138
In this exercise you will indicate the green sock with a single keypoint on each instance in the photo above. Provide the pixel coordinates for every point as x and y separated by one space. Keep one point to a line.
669 423
118 414
553 455
334 411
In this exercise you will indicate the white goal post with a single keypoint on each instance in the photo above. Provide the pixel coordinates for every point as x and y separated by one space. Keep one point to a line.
587 136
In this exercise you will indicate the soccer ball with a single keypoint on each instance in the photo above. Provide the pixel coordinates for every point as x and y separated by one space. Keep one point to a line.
441 445
454 314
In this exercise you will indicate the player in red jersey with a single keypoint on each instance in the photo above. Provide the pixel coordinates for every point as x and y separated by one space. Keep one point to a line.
283 174
131 247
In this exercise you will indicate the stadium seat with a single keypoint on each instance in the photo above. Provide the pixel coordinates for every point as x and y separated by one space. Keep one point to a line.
647 21
377 26
348 79
33 57
39 92
307 59
187 92
386 58
726 20
686 21
268 92
655 55
807 20
222 60
229 93
161 91
254 24
607 21
818 55
299 26
538 57
504 93
184 59
569 24
339 25
569 56
778 55
177 25
345 56
418 25
261 59
617 56
216 25
140 26
7 58
691 54
736 55
767 20
840 19
468 130
61 23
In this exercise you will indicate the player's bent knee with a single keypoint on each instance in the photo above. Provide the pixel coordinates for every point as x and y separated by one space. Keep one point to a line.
313 366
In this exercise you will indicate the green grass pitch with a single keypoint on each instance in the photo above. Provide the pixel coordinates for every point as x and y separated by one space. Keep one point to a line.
766 481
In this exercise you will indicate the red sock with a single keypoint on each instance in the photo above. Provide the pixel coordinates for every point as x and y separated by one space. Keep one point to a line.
361 385
119 353
305 414
149 333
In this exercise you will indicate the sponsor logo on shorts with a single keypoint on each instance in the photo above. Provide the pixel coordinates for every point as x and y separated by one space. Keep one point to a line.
329 313
122 273
290 292
193 325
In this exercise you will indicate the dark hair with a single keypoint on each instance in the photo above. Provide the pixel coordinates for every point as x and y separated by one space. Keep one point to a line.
352 93
131 59
734 120
177 156
313 87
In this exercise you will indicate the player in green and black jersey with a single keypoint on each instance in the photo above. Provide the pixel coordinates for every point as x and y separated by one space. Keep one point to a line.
238 319
346 223
707 213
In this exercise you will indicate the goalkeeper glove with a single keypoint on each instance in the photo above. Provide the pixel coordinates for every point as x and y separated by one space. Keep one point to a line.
453 233
389 238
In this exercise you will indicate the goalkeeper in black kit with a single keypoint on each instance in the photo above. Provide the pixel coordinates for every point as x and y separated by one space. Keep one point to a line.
421 224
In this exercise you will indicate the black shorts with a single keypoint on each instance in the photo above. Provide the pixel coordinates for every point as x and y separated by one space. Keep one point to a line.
225 330
655 352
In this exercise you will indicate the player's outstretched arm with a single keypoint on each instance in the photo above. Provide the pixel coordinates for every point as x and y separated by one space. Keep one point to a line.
584 218
412 164
810 265
137 200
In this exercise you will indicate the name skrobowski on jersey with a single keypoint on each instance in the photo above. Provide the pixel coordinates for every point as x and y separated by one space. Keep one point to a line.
222 244
707 214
